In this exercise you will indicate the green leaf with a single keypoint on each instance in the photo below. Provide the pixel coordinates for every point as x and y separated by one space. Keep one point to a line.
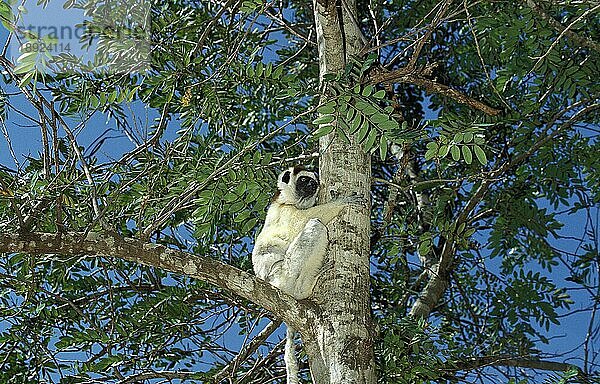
6 14
28 57
379 119
443 151
455 151
256 157
342 134
425 247
480 154
106 363
277 72
342 125
25 67
350 113
325 119
249 7
323 130
432 145
379 94
237 207
27 79
248 225
363 131
64 342
368 144
355 124
430 154
389 125
467 155
342 106
383 147
366 108
327 109
432 150
242 216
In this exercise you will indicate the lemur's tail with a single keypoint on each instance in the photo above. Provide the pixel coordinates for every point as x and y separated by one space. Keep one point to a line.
289 356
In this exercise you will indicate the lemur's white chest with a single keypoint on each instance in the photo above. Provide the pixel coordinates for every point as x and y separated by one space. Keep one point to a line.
283 222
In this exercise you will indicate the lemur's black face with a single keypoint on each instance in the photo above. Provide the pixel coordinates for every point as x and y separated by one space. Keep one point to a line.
297 187
306 186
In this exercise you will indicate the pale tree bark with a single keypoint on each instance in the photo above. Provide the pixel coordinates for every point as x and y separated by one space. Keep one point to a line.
339 341
203 268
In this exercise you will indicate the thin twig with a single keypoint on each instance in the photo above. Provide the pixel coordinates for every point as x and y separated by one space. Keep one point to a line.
563 33
38 101
9 143
581 40
247 350
481 60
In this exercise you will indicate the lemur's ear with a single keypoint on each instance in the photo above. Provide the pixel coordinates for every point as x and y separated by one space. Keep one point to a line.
298 169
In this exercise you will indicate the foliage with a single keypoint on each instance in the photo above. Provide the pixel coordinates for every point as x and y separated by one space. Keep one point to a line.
185 152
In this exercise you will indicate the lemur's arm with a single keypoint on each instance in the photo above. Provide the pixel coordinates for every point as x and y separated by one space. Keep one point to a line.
328 211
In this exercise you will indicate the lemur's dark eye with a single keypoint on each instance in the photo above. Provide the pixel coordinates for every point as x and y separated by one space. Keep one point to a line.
286 177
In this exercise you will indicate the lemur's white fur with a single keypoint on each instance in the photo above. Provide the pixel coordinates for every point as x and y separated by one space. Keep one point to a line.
290 250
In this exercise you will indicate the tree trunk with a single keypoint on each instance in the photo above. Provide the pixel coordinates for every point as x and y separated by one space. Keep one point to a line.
340 341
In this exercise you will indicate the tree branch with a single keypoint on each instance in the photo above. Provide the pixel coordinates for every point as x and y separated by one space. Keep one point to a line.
564 32
420 43
438 283
212 271
508 361
149 375
581 40
416 77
